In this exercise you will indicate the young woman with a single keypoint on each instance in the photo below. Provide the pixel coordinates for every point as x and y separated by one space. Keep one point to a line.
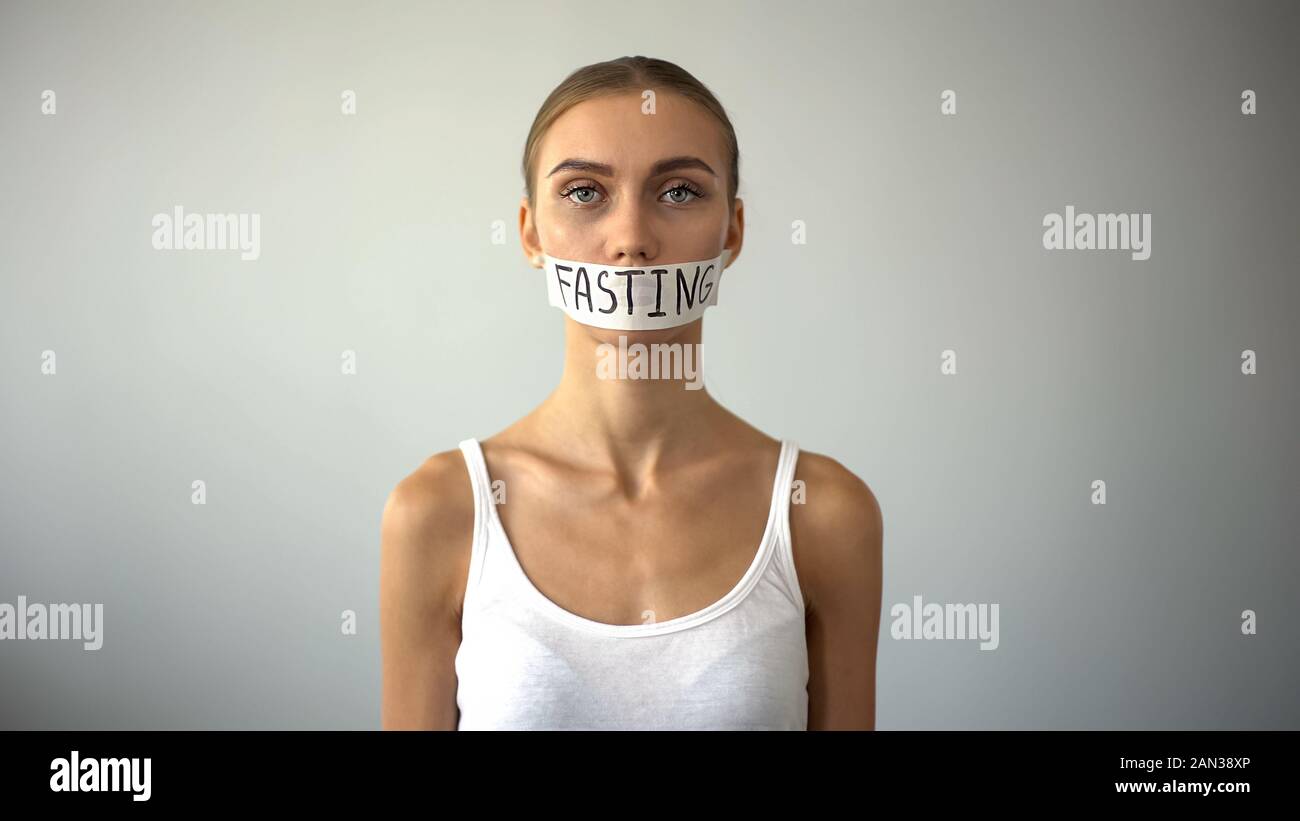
630 554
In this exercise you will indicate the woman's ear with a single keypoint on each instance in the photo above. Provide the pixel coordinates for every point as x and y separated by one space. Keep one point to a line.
528 234
735 232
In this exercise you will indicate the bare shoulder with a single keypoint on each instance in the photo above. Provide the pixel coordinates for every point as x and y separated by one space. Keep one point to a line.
426 536
836 528
836 535
837 501
427 527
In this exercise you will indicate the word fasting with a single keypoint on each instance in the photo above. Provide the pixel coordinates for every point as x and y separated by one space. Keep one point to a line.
697 290
1102 232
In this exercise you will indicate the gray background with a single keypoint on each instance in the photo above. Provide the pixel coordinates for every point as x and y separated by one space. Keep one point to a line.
924 233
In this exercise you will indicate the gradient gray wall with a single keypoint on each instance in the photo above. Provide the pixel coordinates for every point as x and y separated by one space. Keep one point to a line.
924 234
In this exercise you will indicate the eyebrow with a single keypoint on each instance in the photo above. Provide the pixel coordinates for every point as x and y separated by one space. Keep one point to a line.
661 167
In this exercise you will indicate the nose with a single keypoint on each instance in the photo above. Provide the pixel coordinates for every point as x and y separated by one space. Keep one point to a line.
629 238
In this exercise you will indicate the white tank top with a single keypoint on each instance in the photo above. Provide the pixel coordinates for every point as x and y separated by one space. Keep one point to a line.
525 663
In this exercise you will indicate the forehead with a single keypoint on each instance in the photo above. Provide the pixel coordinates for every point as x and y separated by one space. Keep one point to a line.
613 129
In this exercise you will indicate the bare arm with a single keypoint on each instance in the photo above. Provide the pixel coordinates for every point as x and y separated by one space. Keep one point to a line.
424 553
838 536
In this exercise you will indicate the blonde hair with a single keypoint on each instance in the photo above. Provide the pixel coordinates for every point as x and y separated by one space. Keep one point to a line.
627 74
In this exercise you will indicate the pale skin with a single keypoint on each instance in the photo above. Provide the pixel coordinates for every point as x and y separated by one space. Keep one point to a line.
648 455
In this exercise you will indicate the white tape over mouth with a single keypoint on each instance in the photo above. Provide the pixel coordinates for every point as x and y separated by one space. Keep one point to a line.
634 299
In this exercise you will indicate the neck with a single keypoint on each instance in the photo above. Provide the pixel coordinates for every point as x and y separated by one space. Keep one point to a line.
634 425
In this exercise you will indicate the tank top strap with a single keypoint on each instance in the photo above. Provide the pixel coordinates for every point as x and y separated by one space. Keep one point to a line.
781 494
782 483
482 486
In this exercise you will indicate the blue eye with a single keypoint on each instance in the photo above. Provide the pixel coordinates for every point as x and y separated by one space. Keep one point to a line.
684 187
590 197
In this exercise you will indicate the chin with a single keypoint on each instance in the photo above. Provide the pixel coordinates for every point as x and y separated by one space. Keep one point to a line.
662 336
